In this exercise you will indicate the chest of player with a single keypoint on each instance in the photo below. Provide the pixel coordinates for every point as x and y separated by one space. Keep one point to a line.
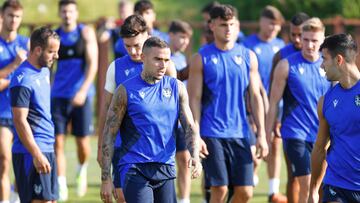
8 53
342 110
125 69
72 45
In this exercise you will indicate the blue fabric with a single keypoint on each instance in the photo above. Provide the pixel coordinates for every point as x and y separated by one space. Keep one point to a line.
341 110
30 88
8 53
148 128
298 152
162 35
337 194
226 78
287 51
265 52
306 83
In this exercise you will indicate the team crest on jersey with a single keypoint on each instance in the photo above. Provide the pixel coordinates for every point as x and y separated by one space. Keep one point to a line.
214 59
301 70
70 52
257 50
238 60
142 94
275 49
37 189
322 72
166 92
357 100
20 77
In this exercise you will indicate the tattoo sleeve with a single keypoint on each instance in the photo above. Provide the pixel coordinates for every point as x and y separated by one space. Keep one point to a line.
192 135
113 121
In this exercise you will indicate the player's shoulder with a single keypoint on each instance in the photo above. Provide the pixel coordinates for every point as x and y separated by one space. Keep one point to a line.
250 40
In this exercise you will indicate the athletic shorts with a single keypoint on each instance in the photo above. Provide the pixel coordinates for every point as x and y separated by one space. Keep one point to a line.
81 117
180 140
336 194
298 153
229 162
32 185
252 137
6 122
115 168
149 182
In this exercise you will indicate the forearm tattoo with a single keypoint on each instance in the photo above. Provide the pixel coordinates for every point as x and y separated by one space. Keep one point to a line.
114 118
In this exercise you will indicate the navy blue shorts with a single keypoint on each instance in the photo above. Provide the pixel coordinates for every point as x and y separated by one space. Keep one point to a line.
252 137
81 117
6 122
180 140
336 194
115 168
149 182
298 153
32 185
229 162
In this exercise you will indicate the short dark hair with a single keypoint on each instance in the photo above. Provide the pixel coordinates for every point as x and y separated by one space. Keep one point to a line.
14 4
155 42
40 37
207 8
180 26
223 11
66 2
342 44
133 26
142 5
272 13
299 18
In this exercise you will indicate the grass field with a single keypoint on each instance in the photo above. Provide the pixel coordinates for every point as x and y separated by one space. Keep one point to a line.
260 194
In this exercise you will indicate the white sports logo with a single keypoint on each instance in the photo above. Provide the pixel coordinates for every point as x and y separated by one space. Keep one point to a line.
37 189
214 59
127 71
335 102
20 77
142 94
301 70
238 60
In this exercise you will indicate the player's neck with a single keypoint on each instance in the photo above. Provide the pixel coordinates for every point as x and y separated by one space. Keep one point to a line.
8 36
149 78
350 77
33 61
224 45
311 57
173 49
68 27
264 37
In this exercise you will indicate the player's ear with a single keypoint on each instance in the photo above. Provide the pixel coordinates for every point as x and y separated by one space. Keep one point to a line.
38 51
339 59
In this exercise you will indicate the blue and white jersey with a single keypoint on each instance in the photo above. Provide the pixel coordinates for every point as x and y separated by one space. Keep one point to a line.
226 78
8 52
71 66
265 52
148 127
341 110
30 88
306 83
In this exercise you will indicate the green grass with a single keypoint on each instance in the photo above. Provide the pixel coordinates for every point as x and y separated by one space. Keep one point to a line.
260 193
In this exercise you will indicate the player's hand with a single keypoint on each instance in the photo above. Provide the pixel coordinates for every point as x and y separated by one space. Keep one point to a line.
79 98
42 164
203 149
107 191
262 149
313 197
196 167
21 56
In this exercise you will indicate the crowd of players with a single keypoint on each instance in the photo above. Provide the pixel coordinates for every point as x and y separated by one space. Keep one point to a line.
242 99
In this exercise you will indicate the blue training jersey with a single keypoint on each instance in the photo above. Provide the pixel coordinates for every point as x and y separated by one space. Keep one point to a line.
306 83
30 88
341 110
265 52
8 52
148 127
117 43
71 66
288 50
125 68
162 35
226 78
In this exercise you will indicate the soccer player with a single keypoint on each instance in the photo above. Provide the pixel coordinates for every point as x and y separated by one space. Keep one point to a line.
146 9
13 48
274 158
72 92
180 33
300 81
220 74
336 151
146 108
33 154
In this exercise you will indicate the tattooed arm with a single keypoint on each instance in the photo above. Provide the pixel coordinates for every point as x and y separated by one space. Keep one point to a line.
114 118
192 136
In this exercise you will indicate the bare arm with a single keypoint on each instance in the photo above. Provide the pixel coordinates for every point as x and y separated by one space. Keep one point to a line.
257 106
91 58
171 70
20 57
278 85
275 61
318 155
4 83
183 74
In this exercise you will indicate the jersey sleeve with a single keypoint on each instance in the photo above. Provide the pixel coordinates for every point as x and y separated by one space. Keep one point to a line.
110 83
20 96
